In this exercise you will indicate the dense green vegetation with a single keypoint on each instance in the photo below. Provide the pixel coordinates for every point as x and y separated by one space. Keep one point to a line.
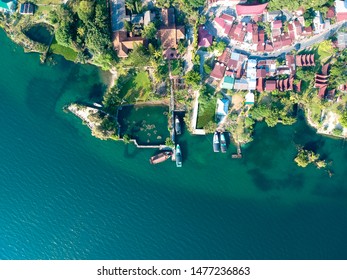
207 109
84 27
293 5
305 157
193 78
338 71
274 108
217 47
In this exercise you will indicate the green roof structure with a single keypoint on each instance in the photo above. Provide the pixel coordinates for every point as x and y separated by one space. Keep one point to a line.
228 82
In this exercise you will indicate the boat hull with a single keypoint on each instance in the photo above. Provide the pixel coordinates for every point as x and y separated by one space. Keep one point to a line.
223 144
177 126
178 156
216 144
161 157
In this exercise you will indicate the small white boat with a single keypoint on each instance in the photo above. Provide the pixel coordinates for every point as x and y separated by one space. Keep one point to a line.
216 146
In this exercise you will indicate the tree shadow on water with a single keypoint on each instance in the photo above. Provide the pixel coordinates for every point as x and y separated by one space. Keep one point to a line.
96 92
265 183
184 150
314 145
42 92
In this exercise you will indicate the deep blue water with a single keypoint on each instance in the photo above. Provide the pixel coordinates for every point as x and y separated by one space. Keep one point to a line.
67 195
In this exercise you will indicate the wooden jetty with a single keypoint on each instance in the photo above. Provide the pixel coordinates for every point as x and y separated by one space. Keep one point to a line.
239 154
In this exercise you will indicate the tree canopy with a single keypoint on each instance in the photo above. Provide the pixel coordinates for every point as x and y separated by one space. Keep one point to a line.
149 31
84 27
293 5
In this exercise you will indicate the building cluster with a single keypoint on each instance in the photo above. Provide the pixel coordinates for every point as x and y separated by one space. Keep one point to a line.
260 30
168 33
321 82
235 71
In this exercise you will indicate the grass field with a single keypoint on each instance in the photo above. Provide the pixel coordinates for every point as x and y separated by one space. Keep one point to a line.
136 88
67 53
206 114
325 50
44 9
49 2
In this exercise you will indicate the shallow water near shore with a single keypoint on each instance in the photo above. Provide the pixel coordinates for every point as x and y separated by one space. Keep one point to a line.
67 195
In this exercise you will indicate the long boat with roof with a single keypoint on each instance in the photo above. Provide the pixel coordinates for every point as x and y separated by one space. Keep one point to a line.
216 145
161 157
178 156
223 143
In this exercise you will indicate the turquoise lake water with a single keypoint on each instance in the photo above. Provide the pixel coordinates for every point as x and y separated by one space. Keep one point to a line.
67 195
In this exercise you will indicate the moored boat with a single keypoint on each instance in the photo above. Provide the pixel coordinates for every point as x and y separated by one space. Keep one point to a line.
216 145
177 125
223 143
178 156
160 157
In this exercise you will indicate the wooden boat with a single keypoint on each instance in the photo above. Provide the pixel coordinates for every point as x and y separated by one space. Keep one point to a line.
161 157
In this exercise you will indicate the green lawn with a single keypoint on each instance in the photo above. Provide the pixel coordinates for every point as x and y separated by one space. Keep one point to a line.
49 2
206 114
325 50
136 88
67 53
44 9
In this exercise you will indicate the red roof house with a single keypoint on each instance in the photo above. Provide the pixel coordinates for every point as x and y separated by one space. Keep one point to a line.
260 85
227 29
261 73
290 62
269 47
270 85
297 28
325 69
220 22
255 37
307 31
341 10
227 18
277 44
291 31
218 71
250 10
277 24
238 32
322 90
297 87
205 38
225 57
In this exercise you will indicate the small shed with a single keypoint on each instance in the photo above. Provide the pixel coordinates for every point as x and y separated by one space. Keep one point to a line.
249 98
